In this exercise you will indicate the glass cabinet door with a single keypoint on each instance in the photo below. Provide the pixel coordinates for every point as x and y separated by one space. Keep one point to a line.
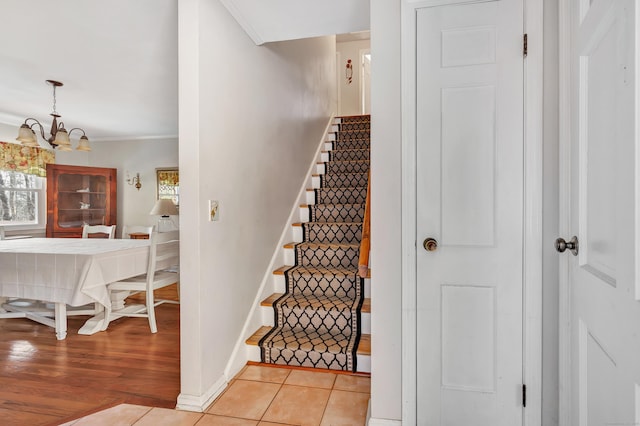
81 200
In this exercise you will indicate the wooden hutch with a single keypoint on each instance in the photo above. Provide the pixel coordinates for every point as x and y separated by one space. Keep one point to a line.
77 195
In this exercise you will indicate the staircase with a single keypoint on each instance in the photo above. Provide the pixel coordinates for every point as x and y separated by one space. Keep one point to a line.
321 316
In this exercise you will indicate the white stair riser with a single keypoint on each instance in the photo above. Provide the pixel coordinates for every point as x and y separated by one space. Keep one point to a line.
331 137
328 146
304 214
315 182
335 128
289 256
279 285
364 364
253 353
324 157
320 169
311 196
297 234
337 120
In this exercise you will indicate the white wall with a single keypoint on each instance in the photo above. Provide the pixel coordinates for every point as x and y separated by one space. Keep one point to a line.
139 156
386 396
250 120
350 102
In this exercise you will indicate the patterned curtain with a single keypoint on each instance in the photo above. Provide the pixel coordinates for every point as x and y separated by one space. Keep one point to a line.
17 158
168 177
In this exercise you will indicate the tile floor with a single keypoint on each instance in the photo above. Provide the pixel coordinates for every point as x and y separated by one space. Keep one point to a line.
260 395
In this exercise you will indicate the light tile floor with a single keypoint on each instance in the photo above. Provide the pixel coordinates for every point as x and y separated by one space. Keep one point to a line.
260 395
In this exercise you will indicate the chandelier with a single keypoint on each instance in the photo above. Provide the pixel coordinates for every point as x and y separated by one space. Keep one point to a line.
59 137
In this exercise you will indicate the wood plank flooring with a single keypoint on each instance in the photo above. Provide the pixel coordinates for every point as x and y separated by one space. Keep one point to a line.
44 381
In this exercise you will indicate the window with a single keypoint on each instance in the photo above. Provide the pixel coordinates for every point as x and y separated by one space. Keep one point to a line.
22 199
168 180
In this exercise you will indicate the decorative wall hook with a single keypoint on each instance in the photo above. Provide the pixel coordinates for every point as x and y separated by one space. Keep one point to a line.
349 71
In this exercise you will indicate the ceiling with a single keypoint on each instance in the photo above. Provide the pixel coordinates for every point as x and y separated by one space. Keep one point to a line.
118 60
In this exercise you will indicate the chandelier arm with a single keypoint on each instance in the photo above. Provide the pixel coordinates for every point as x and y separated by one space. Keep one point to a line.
39 125
77 128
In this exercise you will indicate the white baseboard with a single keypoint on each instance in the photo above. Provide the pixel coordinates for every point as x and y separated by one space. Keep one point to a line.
201 402
384 422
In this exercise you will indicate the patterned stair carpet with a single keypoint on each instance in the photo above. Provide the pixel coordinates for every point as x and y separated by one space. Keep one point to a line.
317 320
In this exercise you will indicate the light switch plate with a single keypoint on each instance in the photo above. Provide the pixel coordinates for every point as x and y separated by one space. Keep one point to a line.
214 210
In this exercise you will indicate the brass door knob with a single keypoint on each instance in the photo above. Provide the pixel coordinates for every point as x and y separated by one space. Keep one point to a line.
430 244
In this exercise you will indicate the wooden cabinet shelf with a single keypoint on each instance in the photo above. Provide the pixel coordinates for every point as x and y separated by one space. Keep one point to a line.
77 195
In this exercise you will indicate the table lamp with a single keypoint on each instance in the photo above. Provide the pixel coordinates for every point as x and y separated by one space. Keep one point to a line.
164 208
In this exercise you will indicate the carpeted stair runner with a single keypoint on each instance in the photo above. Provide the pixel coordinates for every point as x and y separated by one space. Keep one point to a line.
317 319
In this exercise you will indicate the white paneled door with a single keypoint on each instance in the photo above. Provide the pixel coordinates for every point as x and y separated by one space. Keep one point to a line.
469 175
602 172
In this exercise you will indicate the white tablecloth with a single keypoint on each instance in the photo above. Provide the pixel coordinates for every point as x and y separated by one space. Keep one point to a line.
68 270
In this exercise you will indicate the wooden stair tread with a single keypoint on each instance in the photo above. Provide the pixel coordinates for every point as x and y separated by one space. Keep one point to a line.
269 300
280 270
366 304
364 347
259 334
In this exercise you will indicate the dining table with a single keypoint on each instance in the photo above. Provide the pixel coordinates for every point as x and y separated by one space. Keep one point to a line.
66 272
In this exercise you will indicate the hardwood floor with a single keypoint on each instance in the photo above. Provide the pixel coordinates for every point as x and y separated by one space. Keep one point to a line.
44 381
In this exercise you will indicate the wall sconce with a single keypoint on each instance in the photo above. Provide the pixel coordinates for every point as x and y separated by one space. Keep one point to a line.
135 181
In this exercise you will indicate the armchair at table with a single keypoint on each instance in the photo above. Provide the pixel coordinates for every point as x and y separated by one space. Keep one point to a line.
162 271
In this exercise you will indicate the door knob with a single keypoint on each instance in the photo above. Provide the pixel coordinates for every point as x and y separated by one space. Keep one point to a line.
562 245
430 244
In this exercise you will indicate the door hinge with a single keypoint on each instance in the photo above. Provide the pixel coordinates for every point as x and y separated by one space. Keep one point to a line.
525 47
524 395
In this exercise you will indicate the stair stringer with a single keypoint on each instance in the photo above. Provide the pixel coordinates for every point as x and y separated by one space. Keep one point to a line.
239 356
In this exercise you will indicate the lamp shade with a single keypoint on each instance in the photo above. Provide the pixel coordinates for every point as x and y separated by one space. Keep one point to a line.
164 208
27 136
83 144
62 138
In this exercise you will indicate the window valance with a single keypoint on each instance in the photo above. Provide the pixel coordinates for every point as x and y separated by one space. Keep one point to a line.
24 159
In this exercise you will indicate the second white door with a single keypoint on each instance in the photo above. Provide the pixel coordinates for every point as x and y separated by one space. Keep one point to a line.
469 145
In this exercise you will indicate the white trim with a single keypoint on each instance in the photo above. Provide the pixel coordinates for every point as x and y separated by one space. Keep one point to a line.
564 223
383 422
242 21
134 138
532 272
636 245
361 89
239 355
339 83
408 235
533 195
200 403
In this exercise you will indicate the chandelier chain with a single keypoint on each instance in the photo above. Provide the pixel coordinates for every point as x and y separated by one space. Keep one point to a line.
54 100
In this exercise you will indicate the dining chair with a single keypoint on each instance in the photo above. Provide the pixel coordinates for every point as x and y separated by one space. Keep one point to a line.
162 271
127 230
108 230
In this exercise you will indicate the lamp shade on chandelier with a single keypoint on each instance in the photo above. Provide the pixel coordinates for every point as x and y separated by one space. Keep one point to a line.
59 136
